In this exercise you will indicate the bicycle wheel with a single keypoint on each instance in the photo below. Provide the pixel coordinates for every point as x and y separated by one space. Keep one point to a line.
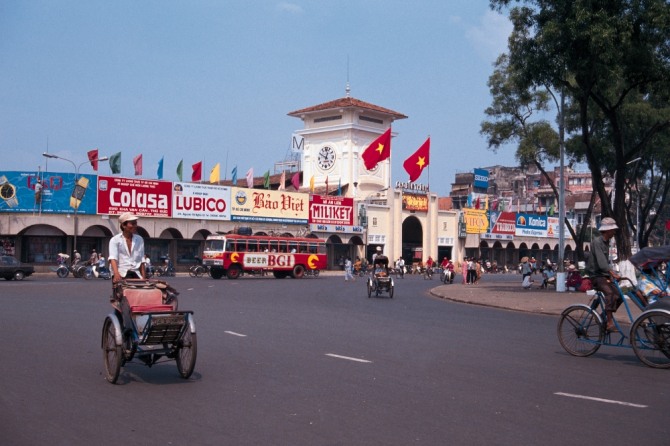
187 353
650 338
192 271
580 330
369 288
111 353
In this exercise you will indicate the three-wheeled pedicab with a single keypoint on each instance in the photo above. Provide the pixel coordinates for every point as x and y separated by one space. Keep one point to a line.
582 328
147 326
380 279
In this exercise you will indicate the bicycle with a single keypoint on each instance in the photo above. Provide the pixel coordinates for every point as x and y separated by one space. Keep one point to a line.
582 329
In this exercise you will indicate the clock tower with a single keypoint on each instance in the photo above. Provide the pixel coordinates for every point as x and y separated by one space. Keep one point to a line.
335 134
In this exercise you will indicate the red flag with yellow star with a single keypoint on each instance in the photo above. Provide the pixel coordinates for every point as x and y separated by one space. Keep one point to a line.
415 164
379 150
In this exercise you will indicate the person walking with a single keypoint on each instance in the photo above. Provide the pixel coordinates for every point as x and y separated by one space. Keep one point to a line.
348 270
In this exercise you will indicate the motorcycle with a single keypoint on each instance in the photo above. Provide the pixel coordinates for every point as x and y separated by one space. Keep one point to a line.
78 271
166 269
447 276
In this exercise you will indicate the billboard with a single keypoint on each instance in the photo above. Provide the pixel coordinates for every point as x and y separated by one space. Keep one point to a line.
327 210
17 192
476 221
146 198
481 179
272 206
531 225
415 202
200 201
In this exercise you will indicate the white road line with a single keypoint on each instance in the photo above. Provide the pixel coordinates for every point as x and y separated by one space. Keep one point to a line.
601 400
236 334
332 355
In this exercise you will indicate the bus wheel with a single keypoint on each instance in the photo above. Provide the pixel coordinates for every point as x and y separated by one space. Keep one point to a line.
298 272
216 273
233 272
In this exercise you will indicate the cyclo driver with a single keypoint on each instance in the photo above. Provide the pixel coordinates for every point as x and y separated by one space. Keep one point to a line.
126 256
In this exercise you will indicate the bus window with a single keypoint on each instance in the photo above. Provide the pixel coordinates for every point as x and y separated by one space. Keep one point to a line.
263 246
274 246
230 246
292 247
302 247
214 245
312 248
322 248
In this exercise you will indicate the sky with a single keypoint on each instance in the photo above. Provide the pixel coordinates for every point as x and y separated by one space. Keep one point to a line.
213 81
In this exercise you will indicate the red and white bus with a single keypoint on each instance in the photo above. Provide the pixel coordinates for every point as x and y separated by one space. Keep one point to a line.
231 254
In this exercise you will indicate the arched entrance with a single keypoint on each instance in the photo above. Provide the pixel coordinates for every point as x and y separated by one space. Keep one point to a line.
337 252
412 240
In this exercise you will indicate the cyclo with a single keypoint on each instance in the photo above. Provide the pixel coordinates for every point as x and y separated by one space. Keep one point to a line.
147 326
582 328
380 280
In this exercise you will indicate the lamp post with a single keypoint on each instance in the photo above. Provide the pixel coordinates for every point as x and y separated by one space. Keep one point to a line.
75 192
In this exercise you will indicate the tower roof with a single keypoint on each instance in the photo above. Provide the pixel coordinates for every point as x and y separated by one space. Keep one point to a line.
347 102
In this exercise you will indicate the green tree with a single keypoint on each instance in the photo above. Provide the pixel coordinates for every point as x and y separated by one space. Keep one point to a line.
600 52
513 117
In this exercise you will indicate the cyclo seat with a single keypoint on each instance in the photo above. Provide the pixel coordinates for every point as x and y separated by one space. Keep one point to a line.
145 295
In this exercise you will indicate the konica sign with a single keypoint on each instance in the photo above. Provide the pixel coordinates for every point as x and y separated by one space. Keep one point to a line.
531 225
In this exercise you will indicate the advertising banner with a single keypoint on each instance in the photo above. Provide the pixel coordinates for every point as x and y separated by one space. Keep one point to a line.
415 202
476 221
505 224
481 179
552 228
326 210
200 201
530 225
147 198
269 206
19 192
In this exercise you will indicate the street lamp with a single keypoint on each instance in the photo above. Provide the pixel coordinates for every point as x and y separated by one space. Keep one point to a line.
78 192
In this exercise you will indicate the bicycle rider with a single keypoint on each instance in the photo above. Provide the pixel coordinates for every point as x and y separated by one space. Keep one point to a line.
598 269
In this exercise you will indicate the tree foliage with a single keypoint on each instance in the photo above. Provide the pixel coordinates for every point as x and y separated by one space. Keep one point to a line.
612 57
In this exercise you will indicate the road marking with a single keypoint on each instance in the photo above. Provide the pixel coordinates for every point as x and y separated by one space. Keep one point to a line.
601 400
332 355
236 334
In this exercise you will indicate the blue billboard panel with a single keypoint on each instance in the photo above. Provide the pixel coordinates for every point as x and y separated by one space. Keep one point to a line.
481 179
531 225
60 193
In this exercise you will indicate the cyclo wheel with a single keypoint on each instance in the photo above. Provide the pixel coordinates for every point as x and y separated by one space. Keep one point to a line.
650 338
187 353
192 271
369 288
112 354
580 330
62 272
391 290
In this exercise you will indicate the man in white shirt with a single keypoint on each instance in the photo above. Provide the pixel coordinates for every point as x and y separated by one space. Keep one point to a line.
126 250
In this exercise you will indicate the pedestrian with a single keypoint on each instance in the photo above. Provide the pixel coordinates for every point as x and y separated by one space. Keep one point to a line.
464 270
526 273
347 270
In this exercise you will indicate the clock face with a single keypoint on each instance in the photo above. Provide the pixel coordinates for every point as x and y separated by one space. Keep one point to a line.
7 191
326 158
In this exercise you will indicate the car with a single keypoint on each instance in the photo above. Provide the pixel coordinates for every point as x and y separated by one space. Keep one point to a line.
10 268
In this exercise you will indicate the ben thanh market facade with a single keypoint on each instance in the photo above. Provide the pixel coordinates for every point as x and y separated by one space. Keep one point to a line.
178 216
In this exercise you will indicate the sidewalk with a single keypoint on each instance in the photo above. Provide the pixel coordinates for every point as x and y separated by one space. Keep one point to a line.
511 296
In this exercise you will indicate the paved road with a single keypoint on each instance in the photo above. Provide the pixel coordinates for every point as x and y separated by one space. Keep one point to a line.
315 362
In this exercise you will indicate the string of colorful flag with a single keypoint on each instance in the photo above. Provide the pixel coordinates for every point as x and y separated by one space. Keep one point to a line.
378 151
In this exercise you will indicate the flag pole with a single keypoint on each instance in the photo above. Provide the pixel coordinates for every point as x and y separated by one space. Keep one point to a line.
225 177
